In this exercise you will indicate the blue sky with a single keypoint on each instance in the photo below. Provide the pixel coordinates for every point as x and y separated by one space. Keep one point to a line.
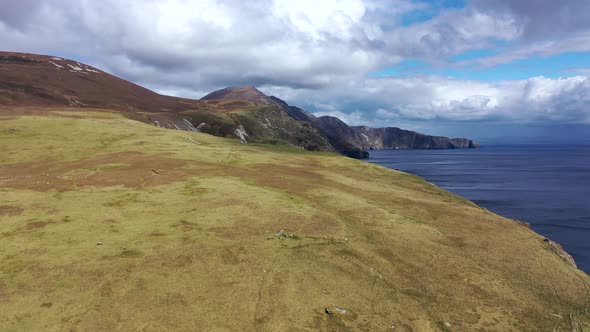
471 64
465 66
431 10
476 68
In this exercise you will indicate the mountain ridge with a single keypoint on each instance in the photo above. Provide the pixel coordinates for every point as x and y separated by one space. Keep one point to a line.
348 140
244 113
31 80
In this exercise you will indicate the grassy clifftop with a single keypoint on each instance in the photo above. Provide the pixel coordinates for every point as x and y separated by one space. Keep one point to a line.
111 224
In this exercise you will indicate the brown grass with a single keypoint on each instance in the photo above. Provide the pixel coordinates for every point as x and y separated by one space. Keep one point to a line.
10 210
38 224
137 170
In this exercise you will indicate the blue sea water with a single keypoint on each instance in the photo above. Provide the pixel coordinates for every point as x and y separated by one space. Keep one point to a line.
547 186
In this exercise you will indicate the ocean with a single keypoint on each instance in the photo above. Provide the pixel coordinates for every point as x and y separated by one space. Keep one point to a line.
546 186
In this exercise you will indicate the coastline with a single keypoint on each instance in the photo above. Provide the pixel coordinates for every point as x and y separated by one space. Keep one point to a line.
495 190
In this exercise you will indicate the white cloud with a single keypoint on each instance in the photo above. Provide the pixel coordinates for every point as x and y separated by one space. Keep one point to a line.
452 33
331 17
573 43
353 119
207 43
318 53
580 71
393 99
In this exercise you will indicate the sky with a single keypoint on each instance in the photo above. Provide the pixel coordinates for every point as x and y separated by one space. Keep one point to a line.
494 71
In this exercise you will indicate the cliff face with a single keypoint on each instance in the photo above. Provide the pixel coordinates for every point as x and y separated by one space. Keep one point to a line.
464 143
336 137
366 138
396 138
354 141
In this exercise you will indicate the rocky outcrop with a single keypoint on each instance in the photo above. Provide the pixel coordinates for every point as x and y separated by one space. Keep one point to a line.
464 143
270 124
336 140
559 251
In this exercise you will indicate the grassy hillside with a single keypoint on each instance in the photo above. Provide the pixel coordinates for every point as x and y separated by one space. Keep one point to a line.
111 224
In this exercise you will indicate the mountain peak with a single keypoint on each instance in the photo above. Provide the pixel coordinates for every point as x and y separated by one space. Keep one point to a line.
242 93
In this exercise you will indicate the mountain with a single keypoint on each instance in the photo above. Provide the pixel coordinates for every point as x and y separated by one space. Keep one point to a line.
37 80
348 140
251 94
33 81
245 113
29 80
244 93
